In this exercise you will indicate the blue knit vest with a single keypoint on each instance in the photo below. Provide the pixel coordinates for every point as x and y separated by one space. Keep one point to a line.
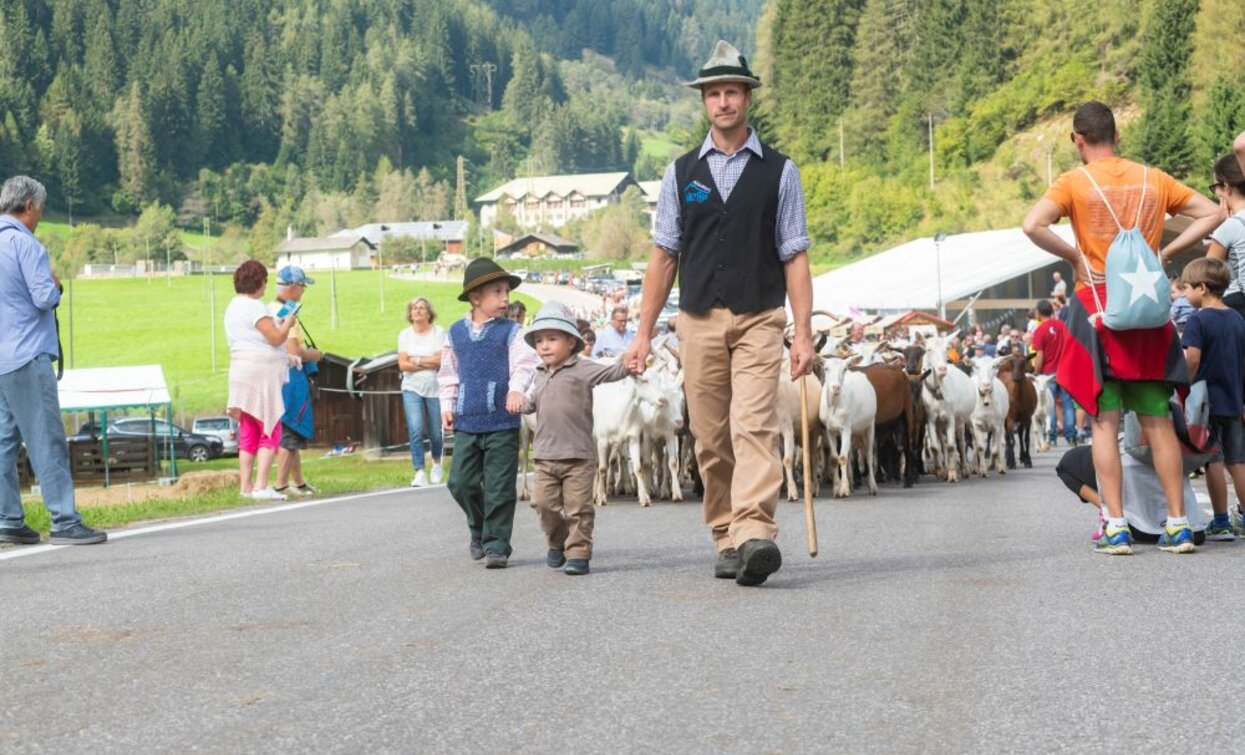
483 376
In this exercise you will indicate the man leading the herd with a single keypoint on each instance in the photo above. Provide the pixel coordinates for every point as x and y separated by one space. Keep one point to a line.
730 220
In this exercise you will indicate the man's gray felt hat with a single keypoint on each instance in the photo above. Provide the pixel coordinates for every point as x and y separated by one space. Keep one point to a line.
554 316
726 64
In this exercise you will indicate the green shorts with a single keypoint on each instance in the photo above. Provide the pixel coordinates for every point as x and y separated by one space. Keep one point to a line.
1148 397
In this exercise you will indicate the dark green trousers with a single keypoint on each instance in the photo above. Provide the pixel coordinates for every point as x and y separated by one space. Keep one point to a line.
482 481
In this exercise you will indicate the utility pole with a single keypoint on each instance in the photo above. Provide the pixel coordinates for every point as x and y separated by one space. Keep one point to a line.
168 264
380 265
71 323
841 157
488 69
931 151
460 189
207 233
333 292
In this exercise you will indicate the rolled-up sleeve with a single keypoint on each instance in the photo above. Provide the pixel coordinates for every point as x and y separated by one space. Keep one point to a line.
791 231
37 270
667 230
447 378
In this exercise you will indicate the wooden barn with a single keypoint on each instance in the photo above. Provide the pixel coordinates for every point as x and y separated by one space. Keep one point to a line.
360 400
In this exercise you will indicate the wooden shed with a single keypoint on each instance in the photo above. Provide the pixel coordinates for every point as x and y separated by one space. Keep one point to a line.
360 400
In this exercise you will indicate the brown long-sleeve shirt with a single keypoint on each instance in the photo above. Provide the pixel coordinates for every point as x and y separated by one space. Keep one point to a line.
562 401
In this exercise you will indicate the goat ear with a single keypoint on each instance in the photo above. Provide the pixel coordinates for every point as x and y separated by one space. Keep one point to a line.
854 359
821 343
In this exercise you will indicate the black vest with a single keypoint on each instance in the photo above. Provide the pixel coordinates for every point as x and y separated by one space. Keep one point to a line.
728 253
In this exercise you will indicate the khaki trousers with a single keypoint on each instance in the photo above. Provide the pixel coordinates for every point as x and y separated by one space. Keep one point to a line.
562 497
731 365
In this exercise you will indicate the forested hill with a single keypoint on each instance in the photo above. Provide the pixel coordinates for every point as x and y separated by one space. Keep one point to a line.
256 105
999 79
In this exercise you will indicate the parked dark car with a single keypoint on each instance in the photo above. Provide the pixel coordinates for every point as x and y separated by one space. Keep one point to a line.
186 445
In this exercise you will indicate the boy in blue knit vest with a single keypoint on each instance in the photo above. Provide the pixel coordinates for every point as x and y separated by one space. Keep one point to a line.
485 369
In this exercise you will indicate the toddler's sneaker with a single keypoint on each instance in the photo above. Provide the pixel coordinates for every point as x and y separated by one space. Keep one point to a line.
555 558
576 567
420 480
1220 529
1177 539
1116 541
306 488
436 474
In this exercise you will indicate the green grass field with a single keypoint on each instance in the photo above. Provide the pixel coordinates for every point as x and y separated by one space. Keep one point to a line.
168 322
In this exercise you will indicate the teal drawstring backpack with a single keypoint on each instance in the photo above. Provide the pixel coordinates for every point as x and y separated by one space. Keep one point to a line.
1138 292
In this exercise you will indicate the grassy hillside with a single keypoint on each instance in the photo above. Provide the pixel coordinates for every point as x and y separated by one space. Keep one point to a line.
169 322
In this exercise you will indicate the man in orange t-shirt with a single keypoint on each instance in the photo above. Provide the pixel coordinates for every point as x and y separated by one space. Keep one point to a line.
1110 371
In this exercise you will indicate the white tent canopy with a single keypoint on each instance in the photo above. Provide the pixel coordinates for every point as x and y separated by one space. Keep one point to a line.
907 277
107 388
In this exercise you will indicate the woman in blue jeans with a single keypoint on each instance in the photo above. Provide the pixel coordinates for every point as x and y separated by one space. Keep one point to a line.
419 359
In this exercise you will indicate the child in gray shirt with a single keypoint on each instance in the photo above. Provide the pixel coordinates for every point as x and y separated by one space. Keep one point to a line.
564 449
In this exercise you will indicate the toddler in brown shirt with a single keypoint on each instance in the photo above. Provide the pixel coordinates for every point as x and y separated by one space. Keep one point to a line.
564 449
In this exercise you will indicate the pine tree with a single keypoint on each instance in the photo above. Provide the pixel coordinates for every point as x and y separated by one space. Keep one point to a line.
209 129
135 151
1222 117
1163 76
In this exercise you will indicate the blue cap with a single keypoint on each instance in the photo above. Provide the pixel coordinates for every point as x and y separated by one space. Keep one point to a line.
293 275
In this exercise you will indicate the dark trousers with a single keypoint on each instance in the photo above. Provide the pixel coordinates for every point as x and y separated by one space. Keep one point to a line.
482 481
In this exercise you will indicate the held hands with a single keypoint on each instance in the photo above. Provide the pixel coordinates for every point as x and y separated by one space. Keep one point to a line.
447 420
514 402
636 355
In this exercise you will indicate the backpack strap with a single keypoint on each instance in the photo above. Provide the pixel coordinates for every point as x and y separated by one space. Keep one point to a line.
1145 174
1103 196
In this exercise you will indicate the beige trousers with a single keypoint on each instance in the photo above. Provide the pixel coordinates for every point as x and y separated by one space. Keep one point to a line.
730 365
562 497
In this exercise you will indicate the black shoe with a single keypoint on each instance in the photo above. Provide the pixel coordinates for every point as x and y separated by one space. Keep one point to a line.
495 560
555 558
757 560
576 566
728 564
22 535
476 548
78 534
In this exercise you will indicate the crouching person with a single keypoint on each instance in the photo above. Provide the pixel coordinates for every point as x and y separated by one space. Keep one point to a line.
564 449
485 368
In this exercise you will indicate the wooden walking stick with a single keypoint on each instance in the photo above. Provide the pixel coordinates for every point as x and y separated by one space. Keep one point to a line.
810 524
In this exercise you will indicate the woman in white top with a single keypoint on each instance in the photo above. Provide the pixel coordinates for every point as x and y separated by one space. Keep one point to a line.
1228 240
419 359
258 367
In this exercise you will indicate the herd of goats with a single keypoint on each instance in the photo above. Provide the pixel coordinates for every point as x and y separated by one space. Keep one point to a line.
876 412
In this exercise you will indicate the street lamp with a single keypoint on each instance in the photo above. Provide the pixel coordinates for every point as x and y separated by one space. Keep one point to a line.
938 239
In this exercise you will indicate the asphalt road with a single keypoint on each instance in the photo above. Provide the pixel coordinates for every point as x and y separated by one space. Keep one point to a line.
966 618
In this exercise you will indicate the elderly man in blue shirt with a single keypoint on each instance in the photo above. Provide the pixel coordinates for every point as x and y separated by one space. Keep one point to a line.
615 339
29 404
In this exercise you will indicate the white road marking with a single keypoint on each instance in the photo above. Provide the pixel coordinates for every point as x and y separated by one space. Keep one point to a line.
21 552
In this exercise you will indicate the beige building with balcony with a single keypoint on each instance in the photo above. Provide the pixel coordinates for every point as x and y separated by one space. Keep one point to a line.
551 201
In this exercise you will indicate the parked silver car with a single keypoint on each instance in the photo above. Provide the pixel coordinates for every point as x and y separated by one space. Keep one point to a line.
222 427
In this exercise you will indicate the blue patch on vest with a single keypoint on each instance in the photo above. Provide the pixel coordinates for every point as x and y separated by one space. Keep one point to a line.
696 192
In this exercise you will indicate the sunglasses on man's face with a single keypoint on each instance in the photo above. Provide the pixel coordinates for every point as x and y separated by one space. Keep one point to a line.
1216 186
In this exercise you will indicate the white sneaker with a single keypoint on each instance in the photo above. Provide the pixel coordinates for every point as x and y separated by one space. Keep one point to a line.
267 494
420 479
436 474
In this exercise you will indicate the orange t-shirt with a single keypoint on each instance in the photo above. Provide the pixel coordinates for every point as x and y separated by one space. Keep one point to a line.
1121 182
